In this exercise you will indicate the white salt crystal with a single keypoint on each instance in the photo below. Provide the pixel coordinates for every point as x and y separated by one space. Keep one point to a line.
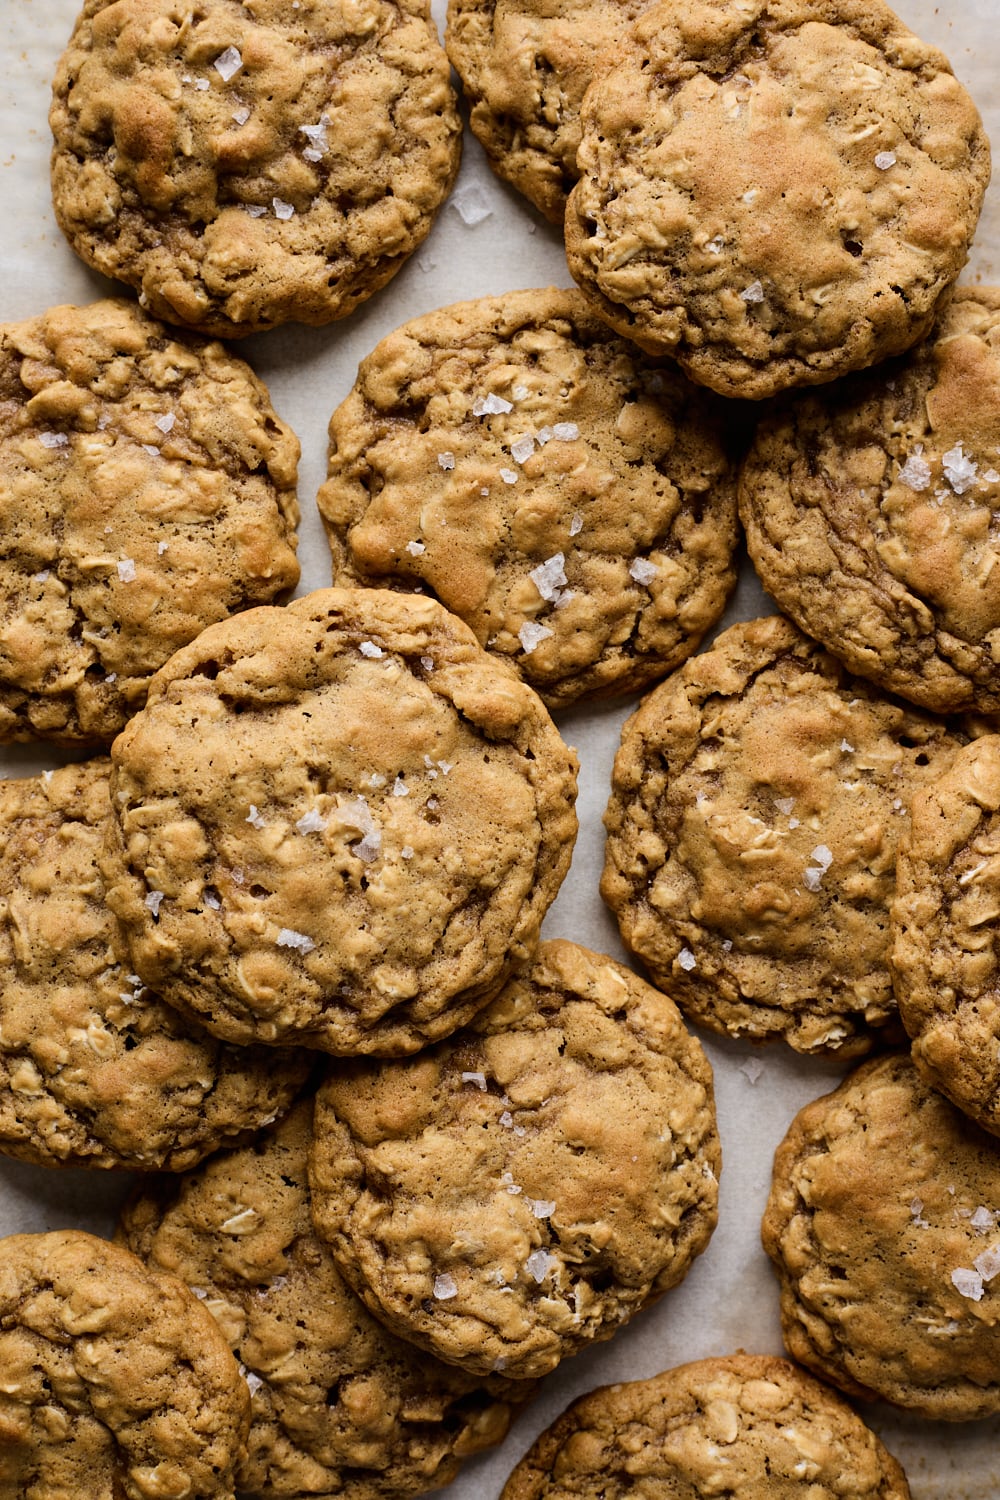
282 210
471 205
369 649
643 571
444 1287
126 570
479 1079
166 422
491 406
311 822
539 1264
550 576
968 1283
289 938
522 448
228 63
916 472
988 1263
253 1381
687 960
415 548
508 1181
565 432
753 293
446 460
960 471
543 1208
576 525
399 788
509 476
531 634
982 1219
242 115
254 817
884 160
153 899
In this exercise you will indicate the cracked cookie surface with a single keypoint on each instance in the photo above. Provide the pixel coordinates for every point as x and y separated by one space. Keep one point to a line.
339 1406
338 824
243 166
873 514
147 488
882 1226
527 1186
568 497
775 193
757 802
116 1382
95 1070
747 1425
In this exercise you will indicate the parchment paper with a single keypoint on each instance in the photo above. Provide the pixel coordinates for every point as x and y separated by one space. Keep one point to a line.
729 1300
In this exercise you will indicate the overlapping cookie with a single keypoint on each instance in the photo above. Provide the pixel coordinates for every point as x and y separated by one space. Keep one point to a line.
337 824
570 498
243 166
527 1186
758 799
147 488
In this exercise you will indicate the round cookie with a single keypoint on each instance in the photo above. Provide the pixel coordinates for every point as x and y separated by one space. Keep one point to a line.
774 193
944 922
757 801
527 1186
340 1406
243 166
871 513
147 488
338 824
569 498
116 1382
743 1424
883 1230
94 1070
525 66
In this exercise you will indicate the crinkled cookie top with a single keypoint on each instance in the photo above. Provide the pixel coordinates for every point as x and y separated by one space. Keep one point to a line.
243 165
776 192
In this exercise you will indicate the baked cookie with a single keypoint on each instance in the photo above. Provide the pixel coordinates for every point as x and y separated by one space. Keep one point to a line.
871 513
243 166
743 1424
757 802
525 66
527 1186
338 824
774 193
115 1381
569 498
94 1069
340 1406
883 1228
945 962
147 488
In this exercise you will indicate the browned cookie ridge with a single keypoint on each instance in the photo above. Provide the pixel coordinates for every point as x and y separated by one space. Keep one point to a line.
530 1184
337 824
774 193
567 496
243 166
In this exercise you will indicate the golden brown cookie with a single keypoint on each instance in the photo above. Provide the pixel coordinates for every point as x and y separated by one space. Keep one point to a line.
777 192
883 1227
94 1069
871 513
241 166
525 66
340 1406
744 1425
944 919
114 1381
757 801
147 488
338 824
527 1186
569 498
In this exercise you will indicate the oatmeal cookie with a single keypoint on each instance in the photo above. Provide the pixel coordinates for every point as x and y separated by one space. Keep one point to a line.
340 1406
243 166
114 1381
527 1186
744 1425
337 824
757 802
569 498
94 1069
147 488
873 513
883 1228
774 193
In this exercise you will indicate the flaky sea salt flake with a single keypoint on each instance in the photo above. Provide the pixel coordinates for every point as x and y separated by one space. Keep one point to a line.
369 649
254 817
643 571
153 900
282 210
228 63
289 938
477 1079
531 635
311 822
446 460
522 447
126 570
166 422
885 159
753 293
968 1283
550 576
471 205
687 960
444 1287
543 1208
565 432
959 471
988 1263
509 476
491 406
415 548
241 115
539 1264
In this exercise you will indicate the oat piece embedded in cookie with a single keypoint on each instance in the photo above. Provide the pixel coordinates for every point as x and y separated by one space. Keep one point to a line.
527 1186
944 960
338 824
872 511
743 1424
243 166
774 193
94 1069
570 498
116 1382
757 801
525 66
882 1226
147 488
340 1406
